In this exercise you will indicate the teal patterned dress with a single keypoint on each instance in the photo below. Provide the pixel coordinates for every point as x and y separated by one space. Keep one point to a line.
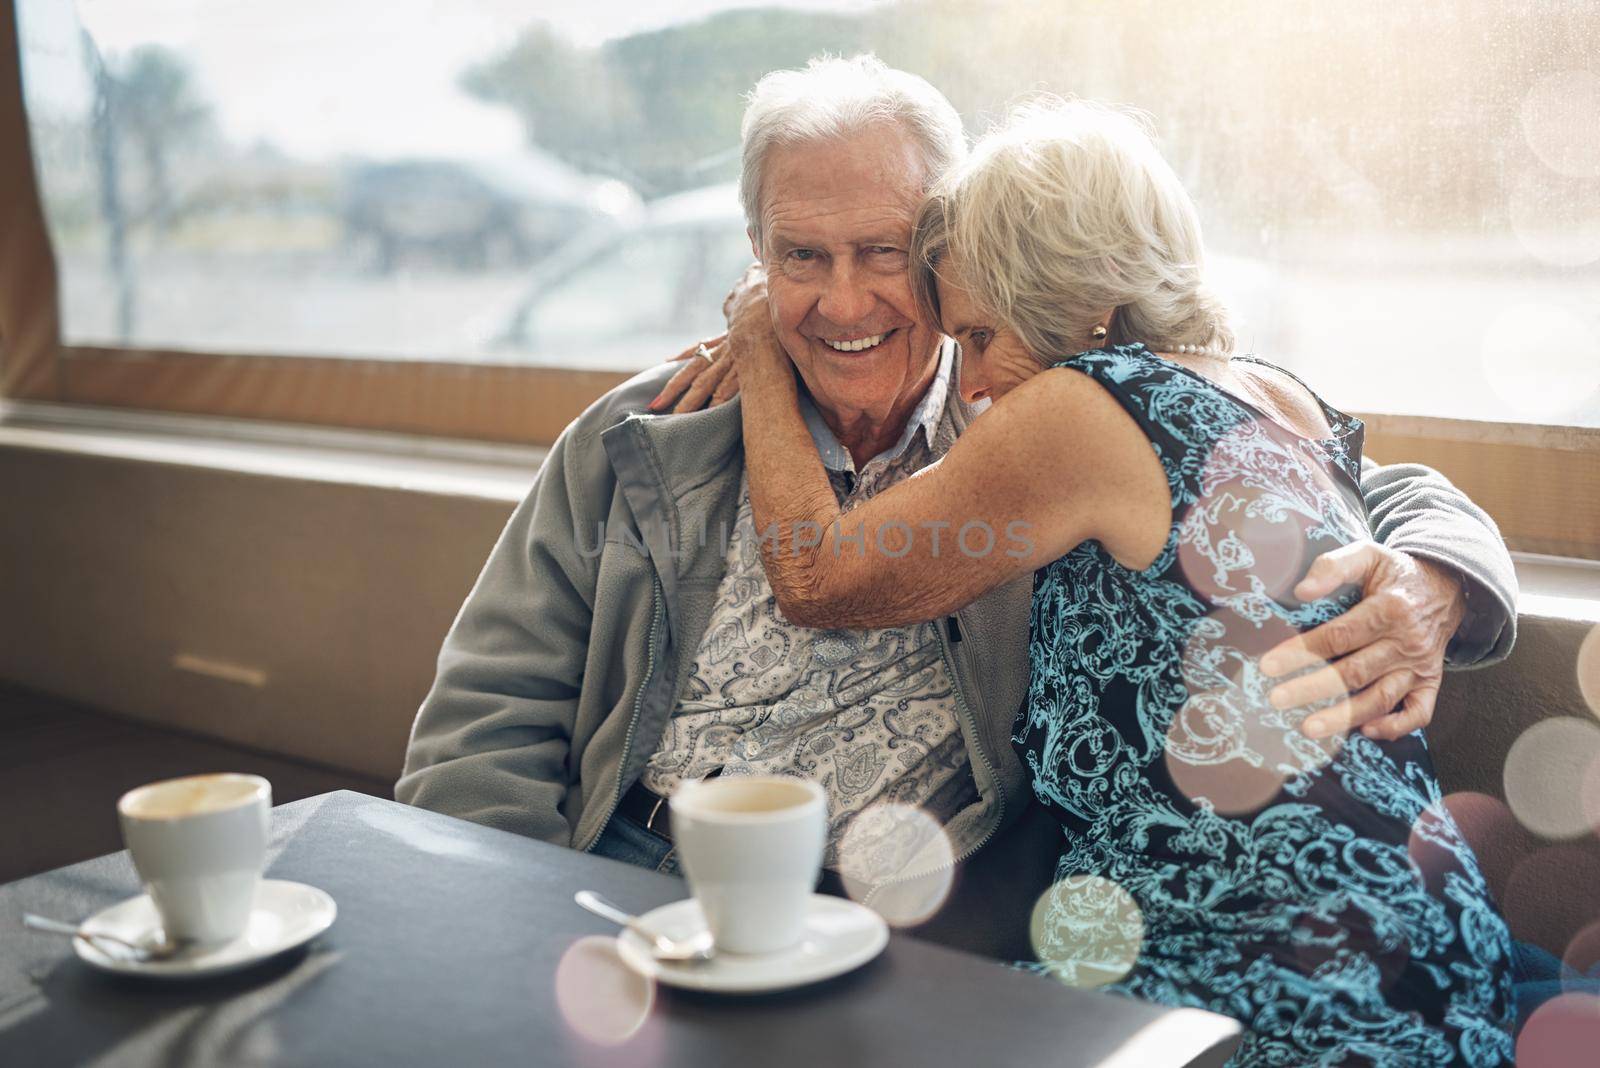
1214 856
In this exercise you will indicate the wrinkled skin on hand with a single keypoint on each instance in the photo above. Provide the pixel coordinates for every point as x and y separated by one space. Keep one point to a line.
1384 659
707 380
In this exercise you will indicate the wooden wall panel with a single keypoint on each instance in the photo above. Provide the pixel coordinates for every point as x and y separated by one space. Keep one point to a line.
526 405
1541 484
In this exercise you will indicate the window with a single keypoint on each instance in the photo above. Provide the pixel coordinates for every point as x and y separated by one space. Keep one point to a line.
645 287
1402 199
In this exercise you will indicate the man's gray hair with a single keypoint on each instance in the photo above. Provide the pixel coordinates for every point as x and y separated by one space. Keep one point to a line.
833 98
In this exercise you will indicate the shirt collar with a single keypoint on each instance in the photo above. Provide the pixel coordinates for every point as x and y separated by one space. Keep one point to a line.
924 417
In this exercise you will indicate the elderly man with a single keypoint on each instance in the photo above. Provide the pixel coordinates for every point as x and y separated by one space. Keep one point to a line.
622 636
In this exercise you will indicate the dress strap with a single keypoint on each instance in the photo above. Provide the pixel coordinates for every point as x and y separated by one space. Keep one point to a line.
1336 419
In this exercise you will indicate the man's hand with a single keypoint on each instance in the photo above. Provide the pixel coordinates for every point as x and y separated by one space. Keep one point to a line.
1385 656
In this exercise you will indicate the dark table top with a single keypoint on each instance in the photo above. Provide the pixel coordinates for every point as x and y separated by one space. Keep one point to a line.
460 945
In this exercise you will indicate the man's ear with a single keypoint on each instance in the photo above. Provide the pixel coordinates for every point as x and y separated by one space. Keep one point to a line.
755 246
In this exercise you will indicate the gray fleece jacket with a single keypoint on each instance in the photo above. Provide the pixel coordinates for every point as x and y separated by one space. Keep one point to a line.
558 676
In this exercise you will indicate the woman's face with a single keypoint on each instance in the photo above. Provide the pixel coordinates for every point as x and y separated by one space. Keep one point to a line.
994 360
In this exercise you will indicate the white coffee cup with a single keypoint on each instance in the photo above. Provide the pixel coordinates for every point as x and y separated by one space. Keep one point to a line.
199 844
751 846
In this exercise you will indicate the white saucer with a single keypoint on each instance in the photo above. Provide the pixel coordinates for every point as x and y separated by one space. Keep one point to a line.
285 915
840 936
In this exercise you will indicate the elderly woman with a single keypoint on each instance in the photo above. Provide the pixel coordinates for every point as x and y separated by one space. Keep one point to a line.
1167 496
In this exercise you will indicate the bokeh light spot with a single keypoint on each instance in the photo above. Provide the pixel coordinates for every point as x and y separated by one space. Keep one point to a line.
1087 930
1483 822
601 998
1558 120
1561 1033
1557 219
1232 550
1589 795
1542 360
1589 670
1546 772
1583 955
1550 896
897 859
1228 744
1233 785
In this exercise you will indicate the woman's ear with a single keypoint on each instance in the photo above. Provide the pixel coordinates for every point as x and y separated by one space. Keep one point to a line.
1111 321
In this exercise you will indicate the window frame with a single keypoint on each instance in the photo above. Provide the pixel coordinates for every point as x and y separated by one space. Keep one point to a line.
1538 482
485 402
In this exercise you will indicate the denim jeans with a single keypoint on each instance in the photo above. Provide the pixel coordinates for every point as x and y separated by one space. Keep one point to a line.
630 843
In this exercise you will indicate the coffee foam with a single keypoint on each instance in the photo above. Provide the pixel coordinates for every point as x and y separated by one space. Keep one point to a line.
191 796
753 796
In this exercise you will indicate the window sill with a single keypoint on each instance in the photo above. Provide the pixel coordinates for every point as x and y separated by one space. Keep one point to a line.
350 457
1558 587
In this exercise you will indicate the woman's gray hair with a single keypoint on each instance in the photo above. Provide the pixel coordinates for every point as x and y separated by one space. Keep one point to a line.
1065 211
833 98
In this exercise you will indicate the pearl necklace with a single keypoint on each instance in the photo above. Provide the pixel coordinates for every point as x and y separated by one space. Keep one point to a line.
1198 350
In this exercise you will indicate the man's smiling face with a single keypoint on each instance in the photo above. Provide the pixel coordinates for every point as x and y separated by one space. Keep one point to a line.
836 220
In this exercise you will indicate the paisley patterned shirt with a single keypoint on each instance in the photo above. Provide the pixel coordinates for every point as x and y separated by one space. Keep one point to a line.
868 714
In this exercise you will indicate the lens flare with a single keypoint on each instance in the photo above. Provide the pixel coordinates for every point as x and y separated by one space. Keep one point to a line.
1557 219
897 859
1563 1032
1589 670
1558 120
1233 785
1433 834
1589 795
1545 775
1087 930
1228 745
1550 896
1231 549
1484 823
1542 360
602 1000
1582 955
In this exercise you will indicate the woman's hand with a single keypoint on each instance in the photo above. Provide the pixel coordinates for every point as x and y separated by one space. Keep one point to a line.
710 375
758 356
702 381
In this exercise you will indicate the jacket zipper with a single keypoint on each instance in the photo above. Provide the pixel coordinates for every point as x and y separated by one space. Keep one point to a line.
999 791
656 594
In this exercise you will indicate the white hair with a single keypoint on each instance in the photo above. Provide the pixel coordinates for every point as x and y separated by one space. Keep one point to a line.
834 98
1064 212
